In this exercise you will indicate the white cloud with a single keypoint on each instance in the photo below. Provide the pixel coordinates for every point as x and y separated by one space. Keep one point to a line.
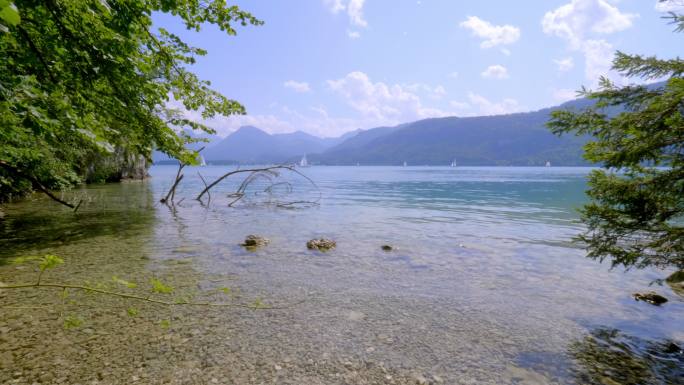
459 105
297 86
565 64
354 10
583 23
353 34
436 92
495 72
578 18
598 59
564 94
492 35
669 6
335 6
487 107
478 105
453 75
380 103
506 51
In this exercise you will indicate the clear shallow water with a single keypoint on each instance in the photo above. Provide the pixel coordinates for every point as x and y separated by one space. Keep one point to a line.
483 284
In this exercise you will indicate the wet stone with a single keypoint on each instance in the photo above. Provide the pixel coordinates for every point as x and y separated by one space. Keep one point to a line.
254 241
321 244
651 297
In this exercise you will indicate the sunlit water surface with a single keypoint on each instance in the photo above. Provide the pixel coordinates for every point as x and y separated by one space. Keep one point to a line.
483 284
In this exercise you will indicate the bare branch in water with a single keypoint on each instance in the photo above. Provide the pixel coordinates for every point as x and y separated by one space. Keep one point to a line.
172 192
205 185
238 171
270 175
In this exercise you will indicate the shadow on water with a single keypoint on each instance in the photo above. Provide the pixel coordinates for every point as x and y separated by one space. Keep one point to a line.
116 210
606 356
609 356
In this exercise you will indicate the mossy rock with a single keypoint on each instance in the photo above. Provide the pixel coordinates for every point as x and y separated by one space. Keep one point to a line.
321 244
651 297
254 241
676 282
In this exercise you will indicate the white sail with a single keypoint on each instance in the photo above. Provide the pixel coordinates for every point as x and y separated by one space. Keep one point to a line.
453 163
405 164
304 162
202 161
548 164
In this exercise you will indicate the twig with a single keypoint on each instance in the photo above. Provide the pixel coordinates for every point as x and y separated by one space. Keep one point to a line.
205 186
146 299
172 191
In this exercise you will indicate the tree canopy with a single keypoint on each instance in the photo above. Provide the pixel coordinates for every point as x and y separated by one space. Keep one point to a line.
636 213
82 79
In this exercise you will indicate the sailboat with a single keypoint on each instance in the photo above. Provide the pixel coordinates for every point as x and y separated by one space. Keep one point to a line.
202 161
548 164
304 162
405 164
453 163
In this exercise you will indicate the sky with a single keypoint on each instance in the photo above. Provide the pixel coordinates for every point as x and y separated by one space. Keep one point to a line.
327 67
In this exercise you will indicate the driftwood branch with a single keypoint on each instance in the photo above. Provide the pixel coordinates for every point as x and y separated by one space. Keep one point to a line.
270 175
205 186
250 170
36 183
172 192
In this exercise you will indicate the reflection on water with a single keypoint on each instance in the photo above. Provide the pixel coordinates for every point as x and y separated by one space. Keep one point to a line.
609 356
483 284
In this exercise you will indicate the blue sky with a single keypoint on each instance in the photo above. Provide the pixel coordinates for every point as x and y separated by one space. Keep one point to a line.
330 66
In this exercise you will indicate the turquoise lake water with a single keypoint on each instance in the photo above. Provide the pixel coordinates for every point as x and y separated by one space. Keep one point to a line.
484 283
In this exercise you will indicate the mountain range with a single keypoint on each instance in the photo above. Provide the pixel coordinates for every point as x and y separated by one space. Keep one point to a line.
519 139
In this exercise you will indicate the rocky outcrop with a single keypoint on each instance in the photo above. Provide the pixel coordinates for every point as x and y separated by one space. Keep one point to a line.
120 165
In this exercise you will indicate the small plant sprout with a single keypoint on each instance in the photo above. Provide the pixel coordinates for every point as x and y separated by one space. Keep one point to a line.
159 287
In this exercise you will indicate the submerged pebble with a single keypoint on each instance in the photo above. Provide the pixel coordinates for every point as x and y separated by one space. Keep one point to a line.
321 244
255 241
651 297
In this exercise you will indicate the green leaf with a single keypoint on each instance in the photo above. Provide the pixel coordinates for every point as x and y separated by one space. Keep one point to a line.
159 287
50 261
165 324
132 312
20 260
9 13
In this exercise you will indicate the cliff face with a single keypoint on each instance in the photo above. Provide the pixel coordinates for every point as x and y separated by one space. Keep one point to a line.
120 165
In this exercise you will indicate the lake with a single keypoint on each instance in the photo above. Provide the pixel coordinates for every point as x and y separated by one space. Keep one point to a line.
483 283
